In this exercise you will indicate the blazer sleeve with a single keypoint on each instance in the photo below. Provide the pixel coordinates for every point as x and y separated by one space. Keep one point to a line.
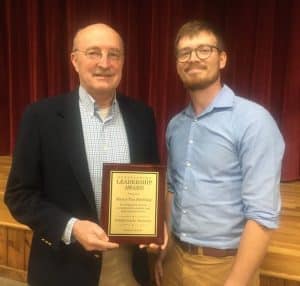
24 194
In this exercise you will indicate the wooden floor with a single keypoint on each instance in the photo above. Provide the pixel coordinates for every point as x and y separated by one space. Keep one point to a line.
281 266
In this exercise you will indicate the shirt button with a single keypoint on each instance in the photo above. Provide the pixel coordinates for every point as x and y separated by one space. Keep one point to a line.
184 211
191 141
188 164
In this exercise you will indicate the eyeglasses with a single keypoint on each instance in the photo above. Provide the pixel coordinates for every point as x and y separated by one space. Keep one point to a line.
97 54
202 52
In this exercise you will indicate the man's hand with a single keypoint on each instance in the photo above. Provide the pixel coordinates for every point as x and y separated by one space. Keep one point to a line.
162 249
91 236
153 247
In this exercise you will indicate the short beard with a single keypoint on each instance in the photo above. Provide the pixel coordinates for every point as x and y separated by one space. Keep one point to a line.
202 84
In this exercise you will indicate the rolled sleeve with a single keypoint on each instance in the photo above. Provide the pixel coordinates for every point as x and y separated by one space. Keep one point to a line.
261 153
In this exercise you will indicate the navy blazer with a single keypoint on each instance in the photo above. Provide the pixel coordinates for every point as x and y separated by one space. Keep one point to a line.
49 183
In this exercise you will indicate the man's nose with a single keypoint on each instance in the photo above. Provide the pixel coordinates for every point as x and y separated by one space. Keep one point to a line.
103 61
194 57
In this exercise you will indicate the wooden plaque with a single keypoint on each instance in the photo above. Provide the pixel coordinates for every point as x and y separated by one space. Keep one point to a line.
132 209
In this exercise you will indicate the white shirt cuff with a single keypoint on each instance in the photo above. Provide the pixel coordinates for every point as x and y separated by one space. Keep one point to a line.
67 235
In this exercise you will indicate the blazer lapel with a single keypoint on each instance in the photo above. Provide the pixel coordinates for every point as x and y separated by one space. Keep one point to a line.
71 132
131 126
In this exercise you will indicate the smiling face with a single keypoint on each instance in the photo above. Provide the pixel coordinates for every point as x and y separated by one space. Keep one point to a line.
98 59
197 73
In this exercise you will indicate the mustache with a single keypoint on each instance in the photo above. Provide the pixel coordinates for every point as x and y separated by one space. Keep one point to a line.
195 65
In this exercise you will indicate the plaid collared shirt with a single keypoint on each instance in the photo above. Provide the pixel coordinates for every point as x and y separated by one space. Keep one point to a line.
105 140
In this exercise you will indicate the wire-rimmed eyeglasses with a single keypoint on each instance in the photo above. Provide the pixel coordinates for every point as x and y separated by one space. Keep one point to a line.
113 55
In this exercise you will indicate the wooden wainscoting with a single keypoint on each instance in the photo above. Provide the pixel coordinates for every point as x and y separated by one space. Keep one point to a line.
15 241
281 266
15 238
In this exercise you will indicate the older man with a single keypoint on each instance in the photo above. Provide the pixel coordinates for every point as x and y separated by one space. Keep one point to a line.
54 185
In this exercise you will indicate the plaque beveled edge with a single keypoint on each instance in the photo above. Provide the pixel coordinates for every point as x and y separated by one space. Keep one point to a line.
104 218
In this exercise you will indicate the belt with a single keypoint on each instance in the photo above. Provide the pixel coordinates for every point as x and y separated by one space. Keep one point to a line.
207 251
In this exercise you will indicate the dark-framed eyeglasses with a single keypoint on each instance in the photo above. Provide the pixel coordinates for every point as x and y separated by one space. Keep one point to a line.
113 55
202 52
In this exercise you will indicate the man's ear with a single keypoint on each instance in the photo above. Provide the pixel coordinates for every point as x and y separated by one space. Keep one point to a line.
223 60
74 60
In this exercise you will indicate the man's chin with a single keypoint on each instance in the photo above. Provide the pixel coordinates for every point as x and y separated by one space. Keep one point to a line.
199 84
192 86
102 90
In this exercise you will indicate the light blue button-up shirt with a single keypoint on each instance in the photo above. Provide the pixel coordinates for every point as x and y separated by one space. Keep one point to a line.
224 168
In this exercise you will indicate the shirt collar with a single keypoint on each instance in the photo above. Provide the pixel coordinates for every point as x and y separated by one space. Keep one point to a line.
224 99
90 105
